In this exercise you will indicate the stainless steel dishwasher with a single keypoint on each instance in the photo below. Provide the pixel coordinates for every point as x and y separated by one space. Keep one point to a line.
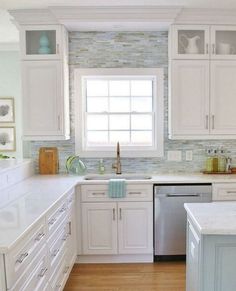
170 216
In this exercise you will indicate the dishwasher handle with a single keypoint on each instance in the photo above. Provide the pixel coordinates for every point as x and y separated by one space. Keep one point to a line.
177 195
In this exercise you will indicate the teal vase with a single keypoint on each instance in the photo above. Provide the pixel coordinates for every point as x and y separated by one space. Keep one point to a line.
44 45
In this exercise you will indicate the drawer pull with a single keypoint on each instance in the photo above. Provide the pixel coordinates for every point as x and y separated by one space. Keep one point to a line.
114 213
70 228
231 192
135 193
22 257
120 214
66 269
98 193
55 252
43 272
58 286
62 209
40 236
52 221
65 237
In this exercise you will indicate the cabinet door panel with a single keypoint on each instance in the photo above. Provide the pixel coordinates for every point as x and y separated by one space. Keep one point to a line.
193 253
190 98
42 98
223 97
99 228
135 227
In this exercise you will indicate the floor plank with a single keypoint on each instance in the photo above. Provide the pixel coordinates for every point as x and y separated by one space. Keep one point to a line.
162 276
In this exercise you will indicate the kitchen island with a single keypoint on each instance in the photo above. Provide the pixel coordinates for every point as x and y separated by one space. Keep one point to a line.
211 246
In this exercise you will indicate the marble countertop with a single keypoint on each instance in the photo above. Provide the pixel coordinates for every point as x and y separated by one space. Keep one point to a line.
6 164
24 203
214 218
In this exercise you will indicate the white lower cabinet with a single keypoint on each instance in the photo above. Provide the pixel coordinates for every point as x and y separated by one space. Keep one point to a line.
43 258
117 226
135 227
99 228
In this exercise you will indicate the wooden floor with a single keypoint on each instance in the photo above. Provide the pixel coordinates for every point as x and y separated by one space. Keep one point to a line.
161 276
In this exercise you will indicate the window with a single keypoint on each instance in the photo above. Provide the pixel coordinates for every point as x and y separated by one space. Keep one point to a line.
124 105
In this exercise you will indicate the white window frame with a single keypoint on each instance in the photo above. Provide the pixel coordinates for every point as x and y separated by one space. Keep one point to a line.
130 151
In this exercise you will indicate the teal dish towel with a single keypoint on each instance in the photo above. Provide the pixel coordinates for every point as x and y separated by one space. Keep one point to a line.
117 188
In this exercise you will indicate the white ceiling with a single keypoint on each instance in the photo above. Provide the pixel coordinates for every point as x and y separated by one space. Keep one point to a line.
9 33
21 4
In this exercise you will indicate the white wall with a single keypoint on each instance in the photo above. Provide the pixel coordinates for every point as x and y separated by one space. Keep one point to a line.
10 86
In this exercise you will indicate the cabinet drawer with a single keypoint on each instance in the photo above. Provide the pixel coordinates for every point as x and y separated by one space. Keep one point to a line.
70 200
20 256
36 277
57 247
224 191
137 192
56 216
58 278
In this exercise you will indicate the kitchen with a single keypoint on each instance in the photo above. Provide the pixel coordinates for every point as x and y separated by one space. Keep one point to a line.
175 154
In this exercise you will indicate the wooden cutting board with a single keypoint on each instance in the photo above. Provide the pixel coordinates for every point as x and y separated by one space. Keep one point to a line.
48 160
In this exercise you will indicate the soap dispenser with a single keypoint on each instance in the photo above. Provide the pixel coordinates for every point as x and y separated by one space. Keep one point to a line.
101 167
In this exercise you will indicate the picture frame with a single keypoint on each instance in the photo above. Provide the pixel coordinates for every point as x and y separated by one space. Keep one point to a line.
7 110
7 139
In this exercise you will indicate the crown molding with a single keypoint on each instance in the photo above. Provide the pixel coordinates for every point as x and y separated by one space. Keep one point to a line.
206 16
33 16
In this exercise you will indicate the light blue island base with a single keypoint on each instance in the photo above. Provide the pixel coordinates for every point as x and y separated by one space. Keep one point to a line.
211 261
211 250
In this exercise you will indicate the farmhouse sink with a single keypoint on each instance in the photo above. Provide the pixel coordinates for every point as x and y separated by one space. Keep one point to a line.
121 176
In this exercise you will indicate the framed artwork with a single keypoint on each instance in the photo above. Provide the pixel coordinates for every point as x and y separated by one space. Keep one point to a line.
7 109
7 139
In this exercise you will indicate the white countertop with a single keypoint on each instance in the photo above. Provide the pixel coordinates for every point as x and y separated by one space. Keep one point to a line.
215 218
6 164
25 203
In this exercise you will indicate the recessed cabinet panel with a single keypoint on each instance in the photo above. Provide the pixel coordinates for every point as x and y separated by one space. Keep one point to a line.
190 97
190 42
135 227
223 98
42 98
99 228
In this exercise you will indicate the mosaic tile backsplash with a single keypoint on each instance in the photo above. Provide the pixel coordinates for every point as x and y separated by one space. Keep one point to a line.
129 50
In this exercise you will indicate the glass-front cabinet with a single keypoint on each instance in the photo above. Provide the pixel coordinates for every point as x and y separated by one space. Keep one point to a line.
203 42
223 42
190 41
41 42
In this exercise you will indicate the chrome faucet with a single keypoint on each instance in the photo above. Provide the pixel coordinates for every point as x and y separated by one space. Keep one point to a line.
117 164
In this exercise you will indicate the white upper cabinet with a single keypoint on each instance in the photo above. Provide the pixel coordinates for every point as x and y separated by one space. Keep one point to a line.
223 42
223 97
45 114
190 41
189 101
42 42
203 42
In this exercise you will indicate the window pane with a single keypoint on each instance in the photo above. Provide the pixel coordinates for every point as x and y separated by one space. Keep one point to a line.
141 121
97 88
97 122
141 137
141 88
119 122
97 104
119 104
141 104
121 136
119 88
97 137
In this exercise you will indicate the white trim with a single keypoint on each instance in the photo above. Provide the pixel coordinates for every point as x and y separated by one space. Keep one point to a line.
9 46
136 258
158 103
